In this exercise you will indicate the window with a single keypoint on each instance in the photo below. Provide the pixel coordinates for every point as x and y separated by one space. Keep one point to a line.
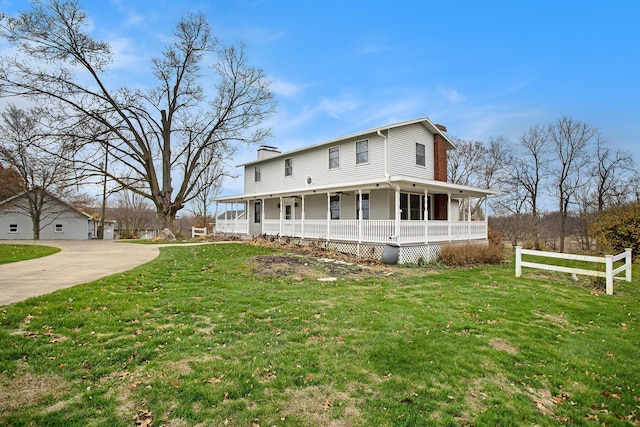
362 152
404 206
416 212
420 154
365 205
257 212
13 228
288 166
334 207
411 206
59 228
334 157
287 212
258 174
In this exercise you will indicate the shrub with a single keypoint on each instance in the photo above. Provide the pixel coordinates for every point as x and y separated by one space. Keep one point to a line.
617 228
472 254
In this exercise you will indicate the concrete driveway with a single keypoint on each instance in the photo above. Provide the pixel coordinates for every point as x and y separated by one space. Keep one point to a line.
78 262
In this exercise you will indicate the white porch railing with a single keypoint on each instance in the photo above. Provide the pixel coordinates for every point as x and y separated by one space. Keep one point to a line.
237 226
366 231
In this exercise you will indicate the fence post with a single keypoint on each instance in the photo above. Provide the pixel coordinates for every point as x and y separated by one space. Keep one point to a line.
628 264
518 261
609 273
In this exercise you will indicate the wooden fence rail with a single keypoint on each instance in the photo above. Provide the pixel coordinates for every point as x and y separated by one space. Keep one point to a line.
195 232
609 274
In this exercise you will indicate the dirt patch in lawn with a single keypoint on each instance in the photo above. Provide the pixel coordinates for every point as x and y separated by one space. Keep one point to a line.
23 389
503 345
302 266
322 406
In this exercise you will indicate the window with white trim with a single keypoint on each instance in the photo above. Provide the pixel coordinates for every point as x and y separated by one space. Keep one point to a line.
362 152
420 154
13 228
257 174
257 212
288 166
334 157
365 205
334 207
59 228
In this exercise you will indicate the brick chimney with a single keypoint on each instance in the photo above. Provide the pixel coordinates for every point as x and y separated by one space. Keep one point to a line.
440 156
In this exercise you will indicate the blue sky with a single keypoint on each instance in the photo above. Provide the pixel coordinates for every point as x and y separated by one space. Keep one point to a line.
483 69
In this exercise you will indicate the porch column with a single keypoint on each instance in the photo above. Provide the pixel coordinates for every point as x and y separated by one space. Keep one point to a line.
398 215
360 215
226 210
469 217
235 223
328 215
486 218
281 217
262 214
449 214
246 215
303 218
425 208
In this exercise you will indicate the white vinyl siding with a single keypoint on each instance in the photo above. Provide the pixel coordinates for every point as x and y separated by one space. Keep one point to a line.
402 142
315 207
313 164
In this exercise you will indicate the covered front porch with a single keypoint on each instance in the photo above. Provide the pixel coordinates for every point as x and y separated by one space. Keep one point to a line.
404 213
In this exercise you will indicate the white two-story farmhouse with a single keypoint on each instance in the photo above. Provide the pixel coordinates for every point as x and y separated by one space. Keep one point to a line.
358 193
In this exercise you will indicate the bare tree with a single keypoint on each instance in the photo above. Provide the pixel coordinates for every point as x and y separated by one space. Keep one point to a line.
153 136
40 158
10 182
133 214
476 164
528 172
611 175
569 140
209 184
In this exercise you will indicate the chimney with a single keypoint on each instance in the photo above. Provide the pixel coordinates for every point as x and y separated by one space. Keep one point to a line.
440 155
267 151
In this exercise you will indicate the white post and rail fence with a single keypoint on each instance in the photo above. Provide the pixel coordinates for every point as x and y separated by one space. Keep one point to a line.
198 232
609 274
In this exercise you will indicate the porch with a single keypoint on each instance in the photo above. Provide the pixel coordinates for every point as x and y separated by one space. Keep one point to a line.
364 231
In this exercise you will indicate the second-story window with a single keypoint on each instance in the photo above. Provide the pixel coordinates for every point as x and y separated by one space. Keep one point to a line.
362 152
420 154
334 157
288 166
258 174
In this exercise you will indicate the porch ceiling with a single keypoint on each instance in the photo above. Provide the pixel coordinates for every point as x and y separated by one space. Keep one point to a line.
405 183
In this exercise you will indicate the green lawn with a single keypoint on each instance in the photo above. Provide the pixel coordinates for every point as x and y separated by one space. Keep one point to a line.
240 335
13 253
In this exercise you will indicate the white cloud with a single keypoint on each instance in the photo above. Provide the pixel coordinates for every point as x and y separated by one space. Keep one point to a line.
337 108
451 95
286 89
